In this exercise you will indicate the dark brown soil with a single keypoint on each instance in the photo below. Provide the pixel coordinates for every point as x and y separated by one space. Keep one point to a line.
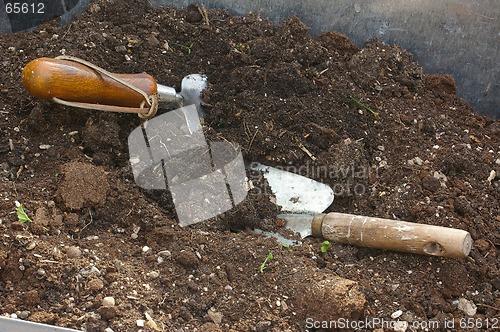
286 98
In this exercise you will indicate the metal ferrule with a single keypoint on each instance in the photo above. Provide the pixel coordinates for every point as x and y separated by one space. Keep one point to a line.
168 95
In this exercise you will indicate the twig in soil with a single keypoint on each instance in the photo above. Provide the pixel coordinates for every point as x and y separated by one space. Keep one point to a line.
303 148
325 130
69 28
364 106
4 112
91 220
323 71
48 261
204 13
151 323
19 171
253 138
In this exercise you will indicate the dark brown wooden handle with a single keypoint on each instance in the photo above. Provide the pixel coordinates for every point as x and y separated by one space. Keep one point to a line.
46 78
394 235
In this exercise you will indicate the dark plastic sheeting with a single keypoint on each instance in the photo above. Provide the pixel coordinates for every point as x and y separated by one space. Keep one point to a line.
38 11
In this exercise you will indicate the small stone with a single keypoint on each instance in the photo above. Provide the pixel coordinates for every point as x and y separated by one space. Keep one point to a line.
140 322
152 40
95 8
31 245
467 307
73 252
492 176
400 326
381 148
441 177
215 316
23 314
108 329
396 314
165 253
121 49
418 161
95 285
145 249
108 301
44 146
153 274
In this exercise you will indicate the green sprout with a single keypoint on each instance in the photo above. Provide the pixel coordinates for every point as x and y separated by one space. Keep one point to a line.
21 215
188 48
263 266
325 246
364 106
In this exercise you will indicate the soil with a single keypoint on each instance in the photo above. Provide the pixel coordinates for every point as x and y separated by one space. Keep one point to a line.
392 141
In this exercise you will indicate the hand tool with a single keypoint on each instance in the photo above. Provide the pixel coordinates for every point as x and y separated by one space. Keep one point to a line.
75 82
302 209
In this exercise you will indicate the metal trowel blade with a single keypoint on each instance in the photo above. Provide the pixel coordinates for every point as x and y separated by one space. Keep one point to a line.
295 193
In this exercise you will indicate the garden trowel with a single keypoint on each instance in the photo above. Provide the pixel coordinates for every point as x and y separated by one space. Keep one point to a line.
76 82
302 201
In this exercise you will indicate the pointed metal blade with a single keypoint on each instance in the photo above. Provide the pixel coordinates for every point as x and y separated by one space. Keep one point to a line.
192 87
299 223
296 193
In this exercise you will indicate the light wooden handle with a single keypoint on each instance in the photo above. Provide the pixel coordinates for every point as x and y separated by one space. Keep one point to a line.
46 78
392 235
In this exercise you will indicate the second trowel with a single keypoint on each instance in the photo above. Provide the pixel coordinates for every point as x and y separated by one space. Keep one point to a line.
302 201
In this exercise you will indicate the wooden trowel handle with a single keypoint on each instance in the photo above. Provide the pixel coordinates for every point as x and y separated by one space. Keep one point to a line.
392 235
46 78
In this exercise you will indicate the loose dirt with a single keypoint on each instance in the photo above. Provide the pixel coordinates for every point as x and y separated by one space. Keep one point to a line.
392 141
